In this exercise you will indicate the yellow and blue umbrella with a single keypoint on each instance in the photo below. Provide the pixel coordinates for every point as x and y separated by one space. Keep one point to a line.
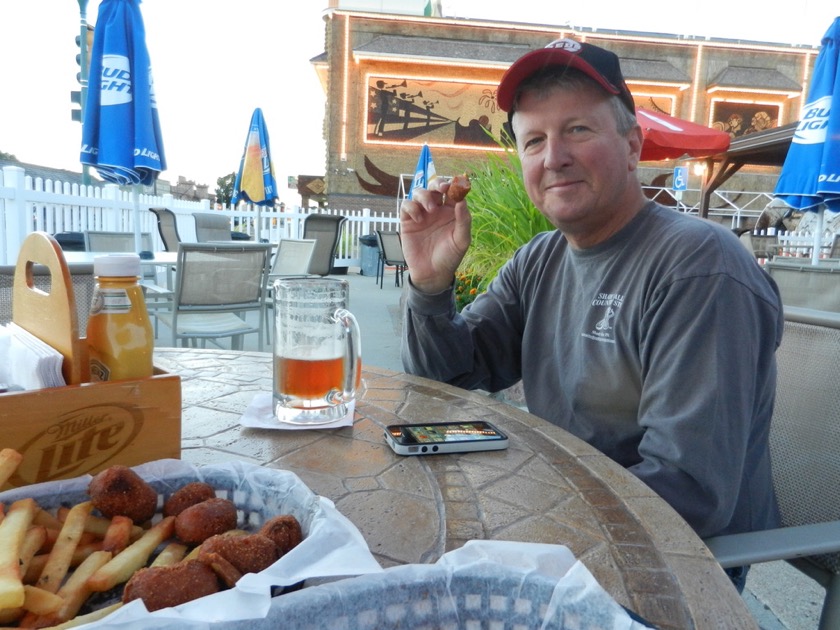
121 135
810 177
425 171
255 180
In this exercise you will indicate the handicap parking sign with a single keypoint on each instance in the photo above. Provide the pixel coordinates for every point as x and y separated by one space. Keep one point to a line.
680 178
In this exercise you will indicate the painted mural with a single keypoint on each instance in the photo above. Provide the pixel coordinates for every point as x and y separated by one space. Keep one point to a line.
740 119
434 112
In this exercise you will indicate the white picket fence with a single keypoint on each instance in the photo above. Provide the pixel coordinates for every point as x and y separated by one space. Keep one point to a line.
31 204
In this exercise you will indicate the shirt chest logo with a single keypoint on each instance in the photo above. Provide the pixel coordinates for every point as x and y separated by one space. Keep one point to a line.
600 322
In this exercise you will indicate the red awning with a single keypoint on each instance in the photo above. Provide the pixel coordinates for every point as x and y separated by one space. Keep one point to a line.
668 138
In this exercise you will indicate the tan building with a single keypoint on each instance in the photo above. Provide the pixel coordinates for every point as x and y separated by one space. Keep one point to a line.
395 82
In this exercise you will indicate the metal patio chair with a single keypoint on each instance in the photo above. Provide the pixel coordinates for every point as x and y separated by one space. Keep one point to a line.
805 450
216 285
167 228
390 254
211 227
292 258
83 287
325 229
157 296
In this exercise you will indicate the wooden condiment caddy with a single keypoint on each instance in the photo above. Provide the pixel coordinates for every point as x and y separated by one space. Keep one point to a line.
82 427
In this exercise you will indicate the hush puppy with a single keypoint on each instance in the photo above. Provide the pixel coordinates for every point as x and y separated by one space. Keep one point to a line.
198 522
247 554
162 587
284 530
119 491
459 188
184 497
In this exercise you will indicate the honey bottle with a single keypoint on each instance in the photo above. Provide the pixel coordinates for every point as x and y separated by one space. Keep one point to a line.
120 338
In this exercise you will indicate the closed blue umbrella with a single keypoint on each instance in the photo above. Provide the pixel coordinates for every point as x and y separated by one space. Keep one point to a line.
810 177
255 181
425 171
121 134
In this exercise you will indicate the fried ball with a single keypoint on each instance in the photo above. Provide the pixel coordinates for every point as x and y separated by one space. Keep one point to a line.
162 587
284 530
459 188
200 521
188 495
119 491
249 554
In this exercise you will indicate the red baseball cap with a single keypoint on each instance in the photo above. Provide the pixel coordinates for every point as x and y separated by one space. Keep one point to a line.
597 63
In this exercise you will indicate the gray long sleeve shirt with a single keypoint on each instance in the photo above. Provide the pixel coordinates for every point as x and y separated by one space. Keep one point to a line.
657 347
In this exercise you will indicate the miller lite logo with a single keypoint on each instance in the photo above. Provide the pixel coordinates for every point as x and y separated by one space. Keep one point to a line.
814 122
78 442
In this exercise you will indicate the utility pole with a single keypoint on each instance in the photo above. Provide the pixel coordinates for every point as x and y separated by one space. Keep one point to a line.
84 42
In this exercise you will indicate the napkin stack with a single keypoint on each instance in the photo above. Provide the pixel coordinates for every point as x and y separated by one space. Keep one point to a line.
28 362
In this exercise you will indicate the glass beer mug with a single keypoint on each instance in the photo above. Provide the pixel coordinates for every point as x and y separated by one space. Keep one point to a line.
317 350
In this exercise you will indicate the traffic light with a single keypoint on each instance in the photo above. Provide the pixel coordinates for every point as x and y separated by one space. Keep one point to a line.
83 55
77 97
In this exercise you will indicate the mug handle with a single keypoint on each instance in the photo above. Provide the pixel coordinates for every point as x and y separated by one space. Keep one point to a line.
352 352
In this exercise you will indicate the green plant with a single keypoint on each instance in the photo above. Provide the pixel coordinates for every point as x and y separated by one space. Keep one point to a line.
503 217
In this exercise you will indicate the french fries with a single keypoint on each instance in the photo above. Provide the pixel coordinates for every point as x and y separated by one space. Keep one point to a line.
13 532
171 554
77 589
65 545
81 620
118 535
123 565
52 563
41 602
10 459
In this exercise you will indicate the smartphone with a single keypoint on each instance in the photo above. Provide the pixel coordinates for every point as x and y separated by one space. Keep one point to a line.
444 437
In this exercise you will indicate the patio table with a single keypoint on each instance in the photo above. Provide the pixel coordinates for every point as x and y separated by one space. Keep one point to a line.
548 486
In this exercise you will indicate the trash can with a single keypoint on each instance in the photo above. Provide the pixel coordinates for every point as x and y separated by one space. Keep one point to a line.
369 254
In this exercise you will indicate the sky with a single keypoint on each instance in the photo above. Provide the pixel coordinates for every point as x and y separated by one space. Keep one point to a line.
214 62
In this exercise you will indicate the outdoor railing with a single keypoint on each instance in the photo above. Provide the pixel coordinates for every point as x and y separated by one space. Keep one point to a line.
31 204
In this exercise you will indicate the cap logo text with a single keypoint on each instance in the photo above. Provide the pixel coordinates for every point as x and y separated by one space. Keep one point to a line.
569 45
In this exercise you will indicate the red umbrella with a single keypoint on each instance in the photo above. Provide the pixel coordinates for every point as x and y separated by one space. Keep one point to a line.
667 138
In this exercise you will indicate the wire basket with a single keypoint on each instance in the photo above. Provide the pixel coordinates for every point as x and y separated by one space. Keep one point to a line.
330 541
440 598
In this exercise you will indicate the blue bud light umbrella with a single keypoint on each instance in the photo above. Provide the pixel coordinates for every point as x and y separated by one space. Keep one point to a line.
425 171
810 177
255 181
121 134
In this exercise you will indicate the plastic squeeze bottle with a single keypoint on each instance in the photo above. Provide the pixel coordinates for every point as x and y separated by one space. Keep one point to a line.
119 333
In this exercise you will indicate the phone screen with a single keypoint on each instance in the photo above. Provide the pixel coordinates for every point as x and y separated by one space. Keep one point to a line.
447 433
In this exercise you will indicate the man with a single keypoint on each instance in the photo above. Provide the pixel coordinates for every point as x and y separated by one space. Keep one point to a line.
646 332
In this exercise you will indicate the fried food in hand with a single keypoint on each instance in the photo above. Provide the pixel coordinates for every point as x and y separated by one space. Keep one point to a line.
184 497
459 188
284 530
200 521
162 587
119 491
249 554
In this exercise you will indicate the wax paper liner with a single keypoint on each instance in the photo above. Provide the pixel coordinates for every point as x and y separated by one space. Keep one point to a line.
332 545
484 584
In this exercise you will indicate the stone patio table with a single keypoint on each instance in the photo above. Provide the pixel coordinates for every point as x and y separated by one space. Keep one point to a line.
547 487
